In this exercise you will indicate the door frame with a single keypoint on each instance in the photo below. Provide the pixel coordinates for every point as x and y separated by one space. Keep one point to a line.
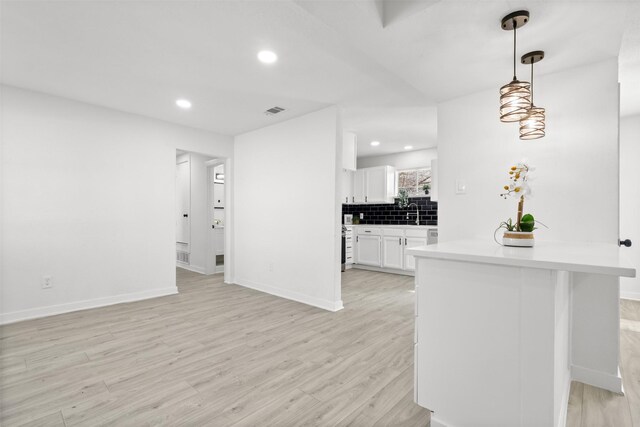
228 244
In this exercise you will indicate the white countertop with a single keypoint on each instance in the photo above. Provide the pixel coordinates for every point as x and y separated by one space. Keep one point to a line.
576 257
390 225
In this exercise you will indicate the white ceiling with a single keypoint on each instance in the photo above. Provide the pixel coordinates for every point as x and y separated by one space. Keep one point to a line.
385 62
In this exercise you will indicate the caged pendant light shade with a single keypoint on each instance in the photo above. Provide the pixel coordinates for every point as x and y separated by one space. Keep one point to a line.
515 97
533 125
515 100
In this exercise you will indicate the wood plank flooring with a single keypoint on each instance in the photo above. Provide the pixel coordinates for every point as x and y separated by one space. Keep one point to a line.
223 355
218 355
593 407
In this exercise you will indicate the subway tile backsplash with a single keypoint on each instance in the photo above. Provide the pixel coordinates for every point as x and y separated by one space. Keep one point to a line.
392 214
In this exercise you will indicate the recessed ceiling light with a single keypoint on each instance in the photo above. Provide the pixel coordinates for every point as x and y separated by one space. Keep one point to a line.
183 103
375 143
408 147
267 57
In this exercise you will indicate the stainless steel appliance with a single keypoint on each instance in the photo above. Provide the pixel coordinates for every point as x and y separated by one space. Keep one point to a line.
432 236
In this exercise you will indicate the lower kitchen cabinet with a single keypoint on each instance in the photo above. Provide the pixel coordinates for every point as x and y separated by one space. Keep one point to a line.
368 252
412 242
384 247
392 252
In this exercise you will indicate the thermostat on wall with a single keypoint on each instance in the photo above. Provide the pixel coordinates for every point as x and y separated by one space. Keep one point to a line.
461 187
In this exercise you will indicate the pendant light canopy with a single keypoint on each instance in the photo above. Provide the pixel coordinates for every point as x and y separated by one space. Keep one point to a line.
532 126
515 97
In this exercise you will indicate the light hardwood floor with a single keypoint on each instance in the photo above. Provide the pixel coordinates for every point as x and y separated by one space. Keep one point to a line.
218 355
594 407
223 355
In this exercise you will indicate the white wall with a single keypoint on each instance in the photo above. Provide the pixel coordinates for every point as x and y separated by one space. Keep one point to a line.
576 181
88 198
630 199
285 211
407 160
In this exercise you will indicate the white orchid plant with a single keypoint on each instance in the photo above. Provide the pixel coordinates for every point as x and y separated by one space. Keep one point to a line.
518 188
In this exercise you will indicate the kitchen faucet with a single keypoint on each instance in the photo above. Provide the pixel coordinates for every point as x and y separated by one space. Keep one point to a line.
417 213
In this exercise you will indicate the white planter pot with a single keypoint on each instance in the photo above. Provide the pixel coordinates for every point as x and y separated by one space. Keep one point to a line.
522 239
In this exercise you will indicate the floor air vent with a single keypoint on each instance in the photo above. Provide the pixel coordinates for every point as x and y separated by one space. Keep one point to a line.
274 110
182 257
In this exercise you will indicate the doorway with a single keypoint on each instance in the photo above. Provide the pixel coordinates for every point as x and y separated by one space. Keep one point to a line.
200 212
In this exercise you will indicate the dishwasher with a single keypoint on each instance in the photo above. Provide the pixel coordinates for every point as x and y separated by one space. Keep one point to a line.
432 236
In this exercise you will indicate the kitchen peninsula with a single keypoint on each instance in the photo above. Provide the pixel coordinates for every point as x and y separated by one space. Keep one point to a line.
501 332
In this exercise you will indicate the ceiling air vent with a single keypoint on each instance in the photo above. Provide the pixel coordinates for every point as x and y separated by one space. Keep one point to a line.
274 110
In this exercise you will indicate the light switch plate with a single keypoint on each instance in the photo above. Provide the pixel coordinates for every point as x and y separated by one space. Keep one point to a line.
461 186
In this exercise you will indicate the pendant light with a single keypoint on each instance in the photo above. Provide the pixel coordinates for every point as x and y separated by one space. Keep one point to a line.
515 97
532 126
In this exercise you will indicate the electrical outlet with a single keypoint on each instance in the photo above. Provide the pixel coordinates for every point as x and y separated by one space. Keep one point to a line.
361 216
47 282
270 266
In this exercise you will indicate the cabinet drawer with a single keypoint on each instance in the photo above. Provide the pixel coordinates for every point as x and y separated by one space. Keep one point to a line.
369 230
421 232
397 232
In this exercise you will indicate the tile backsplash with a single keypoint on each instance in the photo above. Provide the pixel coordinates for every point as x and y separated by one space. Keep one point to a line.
392 214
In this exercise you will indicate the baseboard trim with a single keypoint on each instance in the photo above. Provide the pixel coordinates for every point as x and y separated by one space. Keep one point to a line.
384 270
435 422
635 296
564 404
35 313
193 268
292 295
597 379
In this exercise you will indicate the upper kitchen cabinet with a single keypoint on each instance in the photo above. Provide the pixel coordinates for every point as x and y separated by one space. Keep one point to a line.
347 186
375 185
349 151
434 180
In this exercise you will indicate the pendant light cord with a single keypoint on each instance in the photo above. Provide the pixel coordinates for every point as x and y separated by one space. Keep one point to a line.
532 81
515 28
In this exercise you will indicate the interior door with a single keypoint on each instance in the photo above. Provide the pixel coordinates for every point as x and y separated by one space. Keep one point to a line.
630 201
183 202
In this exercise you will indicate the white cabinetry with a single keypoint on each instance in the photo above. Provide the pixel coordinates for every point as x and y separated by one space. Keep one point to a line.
349 245
385 247
359 191
374 185
349 151
368 251
434 180
347 186
412 242
392 252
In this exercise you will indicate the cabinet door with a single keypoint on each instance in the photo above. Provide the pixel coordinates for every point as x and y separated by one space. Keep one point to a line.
376 185
349 151
347 186
368 251
434 180
412 242
392 251
359 186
